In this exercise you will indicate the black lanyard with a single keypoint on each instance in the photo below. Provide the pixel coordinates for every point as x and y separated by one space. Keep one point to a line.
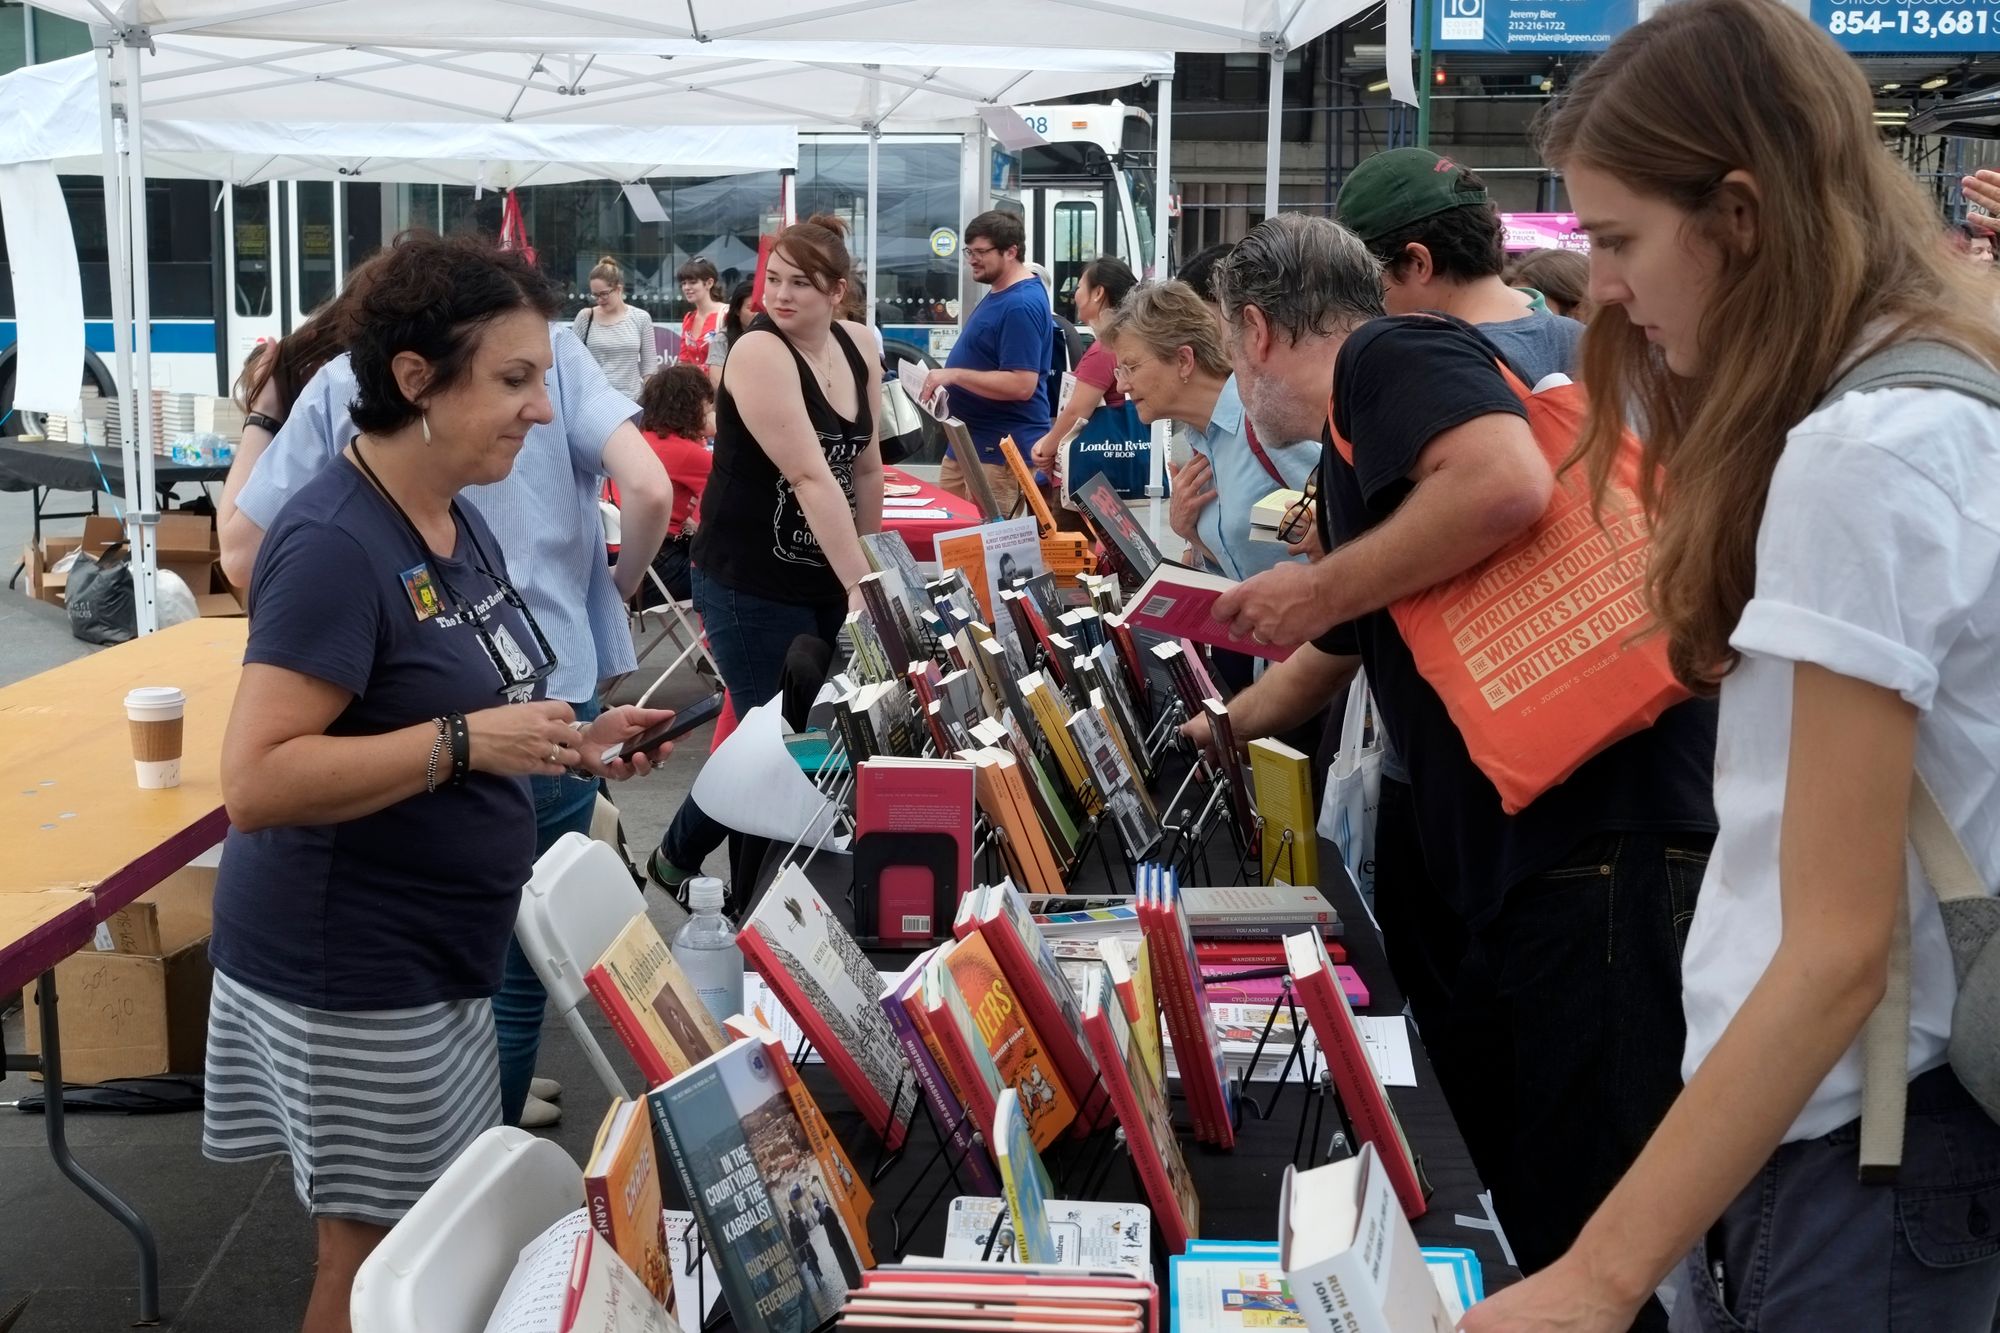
509 676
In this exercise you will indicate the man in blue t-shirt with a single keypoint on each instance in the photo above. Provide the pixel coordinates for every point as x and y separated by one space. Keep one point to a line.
996 369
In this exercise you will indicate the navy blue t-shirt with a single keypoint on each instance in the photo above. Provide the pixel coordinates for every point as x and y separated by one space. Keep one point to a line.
1398 385
1011 329
413 904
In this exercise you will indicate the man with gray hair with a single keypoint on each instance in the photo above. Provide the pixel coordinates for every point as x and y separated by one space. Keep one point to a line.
1430 468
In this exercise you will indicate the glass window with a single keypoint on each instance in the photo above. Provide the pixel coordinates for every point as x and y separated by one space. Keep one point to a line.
13 37
917 192
180 248
254 279
1074 238
318 269
57 37
363 219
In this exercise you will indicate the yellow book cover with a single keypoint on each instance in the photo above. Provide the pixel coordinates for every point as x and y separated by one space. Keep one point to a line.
652 1005
1052 717
850 1193
1283 780
1132 982
1016 1047
621 1184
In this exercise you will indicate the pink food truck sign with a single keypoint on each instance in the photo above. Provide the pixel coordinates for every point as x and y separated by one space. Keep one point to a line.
1543 231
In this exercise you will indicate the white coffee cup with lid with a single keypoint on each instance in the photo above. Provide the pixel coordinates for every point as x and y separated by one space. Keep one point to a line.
154 714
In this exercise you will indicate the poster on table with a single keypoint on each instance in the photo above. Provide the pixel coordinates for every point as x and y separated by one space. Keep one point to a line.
1865 27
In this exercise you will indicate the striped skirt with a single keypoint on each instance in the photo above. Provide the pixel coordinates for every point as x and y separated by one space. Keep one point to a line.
371 1106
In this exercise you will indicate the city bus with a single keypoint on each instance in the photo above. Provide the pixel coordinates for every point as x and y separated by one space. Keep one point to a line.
233 265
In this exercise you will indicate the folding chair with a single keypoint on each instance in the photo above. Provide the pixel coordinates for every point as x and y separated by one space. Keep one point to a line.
442 1268
576 902
677 620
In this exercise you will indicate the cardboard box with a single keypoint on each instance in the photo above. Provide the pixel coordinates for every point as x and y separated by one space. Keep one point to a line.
100 533
128 1014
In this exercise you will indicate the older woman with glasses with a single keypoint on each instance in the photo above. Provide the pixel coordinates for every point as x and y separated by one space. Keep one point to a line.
377 762
1172 365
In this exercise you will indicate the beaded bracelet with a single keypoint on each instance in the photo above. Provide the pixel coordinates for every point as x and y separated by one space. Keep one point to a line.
437 753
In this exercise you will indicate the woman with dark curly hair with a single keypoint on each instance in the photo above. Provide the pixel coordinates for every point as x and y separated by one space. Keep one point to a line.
677 417
377 762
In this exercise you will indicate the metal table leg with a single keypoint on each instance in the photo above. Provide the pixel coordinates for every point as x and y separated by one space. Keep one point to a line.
50 1062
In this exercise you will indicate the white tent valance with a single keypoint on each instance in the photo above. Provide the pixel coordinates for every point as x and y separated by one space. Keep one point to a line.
51 113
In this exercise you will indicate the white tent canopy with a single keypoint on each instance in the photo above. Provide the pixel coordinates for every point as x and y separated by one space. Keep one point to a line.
51 113
824 85
596 25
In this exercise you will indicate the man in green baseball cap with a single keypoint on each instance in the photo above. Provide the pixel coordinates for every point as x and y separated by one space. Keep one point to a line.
1432 225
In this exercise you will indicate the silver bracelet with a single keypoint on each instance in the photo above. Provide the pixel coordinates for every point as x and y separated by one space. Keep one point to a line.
437 753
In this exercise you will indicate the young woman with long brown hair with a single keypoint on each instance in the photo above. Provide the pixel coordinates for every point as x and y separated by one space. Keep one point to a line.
1825 556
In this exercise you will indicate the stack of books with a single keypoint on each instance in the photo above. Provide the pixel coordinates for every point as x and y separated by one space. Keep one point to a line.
1268 514
1045 1298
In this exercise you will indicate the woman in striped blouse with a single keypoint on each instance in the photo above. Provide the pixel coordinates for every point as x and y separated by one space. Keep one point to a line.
619 336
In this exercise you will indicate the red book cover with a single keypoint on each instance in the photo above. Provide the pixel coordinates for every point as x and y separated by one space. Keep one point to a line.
1197 1045
1128 653
626 1024
1253 953
955 1035
831 990
1170 982
1361 1092
1021 1281
1149 1129
1003 921
901 796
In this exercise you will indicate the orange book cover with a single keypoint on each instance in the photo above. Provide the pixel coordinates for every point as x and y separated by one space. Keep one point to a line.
851 1194
621 1184
1023 1061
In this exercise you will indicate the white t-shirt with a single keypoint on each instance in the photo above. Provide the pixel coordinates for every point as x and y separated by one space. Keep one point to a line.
1876 560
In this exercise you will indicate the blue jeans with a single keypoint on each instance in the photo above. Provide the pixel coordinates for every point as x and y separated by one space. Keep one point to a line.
1806 1245
749 637
562 805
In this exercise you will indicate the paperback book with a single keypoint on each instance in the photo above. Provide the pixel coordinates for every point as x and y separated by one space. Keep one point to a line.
651 1003
1142 1110
902 1003
1180 601
1025 1180
831 990
1010 1039
752 1180
1000 918
621 1187
1087 1231
913 845
1290 842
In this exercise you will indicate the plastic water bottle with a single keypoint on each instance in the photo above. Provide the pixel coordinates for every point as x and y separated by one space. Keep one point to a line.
705 948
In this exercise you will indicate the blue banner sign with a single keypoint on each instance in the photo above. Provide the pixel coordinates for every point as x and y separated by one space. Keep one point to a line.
1865 27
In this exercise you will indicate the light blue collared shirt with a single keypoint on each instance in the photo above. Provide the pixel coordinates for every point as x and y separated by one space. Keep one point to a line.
544 513
1240 482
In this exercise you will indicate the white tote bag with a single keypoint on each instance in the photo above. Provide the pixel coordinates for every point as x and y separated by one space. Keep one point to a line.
1354 788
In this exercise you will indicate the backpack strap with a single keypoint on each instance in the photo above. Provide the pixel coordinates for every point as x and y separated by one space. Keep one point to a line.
1912 364
1885 1040
1919 364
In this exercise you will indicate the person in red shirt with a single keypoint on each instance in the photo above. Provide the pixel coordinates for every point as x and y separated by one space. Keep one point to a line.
1099 289
701 288
677 417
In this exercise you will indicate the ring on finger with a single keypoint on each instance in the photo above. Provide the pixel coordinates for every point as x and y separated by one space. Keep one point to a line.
555 753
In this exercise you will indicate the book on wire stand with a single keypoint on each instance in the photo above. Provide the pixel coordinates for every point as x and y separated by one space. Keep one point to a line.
621 1185
651 1003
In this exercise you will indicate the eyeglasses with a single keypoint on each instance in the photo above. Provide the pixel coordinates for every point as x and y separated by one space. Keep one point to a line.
1292 526
982 251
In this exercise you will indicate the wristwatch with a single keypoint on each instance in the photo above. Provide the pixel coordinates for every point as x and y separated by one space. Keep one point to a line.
269 423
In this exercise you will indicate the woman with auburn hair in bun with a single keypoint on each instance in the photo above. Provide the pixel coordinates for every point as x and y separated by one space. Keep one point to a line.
619 336
797 480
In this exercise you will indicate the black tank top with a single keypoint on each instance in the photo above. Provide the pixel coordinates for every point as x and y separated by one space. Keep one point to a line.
753 536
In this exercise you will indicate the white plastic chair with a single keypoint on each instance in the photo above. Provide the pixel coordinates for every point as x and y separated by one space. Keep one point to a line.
573 907
442 1268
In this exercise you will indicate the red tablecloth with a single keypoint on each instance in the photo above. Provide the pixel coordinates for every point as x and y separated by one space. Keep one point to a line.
921 533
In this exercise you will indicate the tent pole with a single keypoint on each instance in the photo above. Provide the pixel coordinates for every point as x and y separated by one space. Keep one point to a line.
1424 75
118 236
138 428
1274 130
874 231
1156 489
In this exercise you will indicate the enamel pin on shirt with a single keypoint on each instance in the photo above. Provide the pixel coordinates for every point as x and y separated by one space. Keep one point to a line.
417 582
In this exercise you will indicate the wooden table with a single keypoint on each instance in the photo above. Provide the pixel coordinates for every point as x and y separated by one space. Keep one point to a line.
83 839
